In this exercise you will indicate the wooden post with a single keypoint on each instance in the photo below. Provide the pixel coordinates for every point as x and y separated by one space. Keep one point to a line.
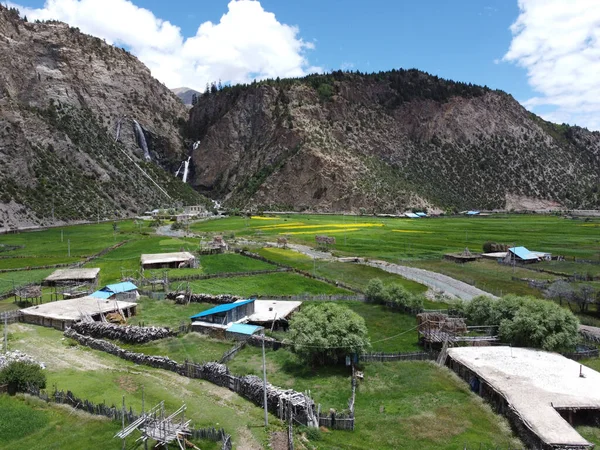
265 380
123 421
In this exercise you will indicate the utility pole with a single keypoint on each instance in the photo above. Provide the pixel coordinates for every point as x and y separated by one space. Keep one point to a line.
265 380
69 247
5 333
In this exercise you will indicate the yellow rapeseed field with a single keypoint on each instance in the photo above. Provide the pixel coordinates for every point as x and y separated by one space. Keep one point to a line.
324 231
301 226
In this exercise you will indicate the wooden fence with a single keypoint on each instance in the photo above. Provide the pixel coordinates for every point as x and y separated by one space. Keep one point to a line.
229 354
119 413
388 357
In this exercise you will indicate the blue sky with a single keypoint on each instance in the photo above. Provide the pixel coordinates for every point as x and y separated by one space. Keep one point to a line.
539 62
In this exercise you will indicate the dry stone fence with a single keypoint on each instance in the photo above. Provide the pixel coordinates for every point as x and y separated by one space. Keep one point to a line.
129 334
279 401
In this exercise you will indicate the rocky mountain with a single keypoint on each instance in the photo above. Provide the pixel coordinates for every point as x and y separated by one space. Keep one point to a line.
186 94
64 98
386 142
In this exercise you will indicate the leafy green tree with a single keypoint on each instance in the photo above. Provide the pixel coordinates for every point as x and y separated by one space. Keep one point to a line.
541 324
326 333
560 290
20 374
482 310
375 292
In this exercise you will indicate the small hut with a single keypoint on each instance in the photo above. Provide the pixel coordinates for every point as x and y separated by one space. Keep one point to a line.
461 258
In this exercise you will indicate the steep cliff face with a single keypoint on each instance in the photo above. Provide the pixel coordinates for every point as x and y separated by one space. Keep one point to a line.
386 142
62 96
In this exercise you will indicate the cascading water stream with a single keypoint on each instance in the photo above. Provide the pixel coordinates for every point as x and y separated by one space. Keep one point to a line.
141 140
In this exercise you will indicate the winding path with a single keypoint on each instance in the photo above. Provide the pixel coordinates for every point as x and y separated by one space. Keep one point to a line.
433 280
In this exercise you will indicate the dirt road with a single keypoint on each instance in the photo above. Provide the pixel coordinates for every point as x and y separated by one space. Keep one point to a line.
433 280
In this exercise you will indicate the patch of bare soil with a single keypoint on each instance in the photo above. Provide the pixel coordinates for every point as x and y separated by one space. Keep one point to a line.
246 441
59 356
279 440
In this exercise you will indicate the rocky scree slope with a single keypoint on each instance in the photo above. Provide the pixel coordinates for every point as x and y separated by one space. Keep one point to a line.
385 142
62 94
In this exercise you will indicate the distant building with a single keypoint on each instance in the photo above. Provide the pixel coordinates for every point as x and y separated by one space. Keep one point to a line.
119 291
523 255
196 210
227 313
217 321
63 313
71 276
241 331
412 215
175 260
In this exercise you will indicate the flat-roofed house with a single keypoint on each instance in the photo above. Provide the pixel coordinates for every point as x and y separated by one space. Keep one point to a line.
175 260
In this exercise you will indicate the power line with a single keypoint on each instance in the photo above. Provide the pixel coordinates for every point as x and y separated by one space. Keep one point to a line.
374 342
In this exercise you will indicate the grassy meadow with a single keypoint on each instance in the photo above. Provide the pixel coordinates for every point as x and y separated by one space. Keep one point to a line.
394 239
398 405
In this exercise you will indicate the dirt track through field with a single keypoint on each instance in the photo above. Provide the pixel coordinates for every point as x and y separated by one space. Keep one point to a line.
433 280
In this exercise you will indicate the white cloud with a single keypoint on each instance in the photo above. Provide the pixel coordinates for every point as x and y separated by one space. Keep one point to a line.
558 43
248 42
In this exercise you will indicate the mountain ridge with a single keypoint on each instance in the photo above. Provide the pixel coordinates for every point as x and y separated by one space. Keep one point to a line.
386 142
64 97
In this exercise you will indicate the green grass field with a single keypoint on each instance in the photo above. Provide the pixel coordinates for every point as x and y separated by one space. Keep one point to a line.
353 275
27 422
100 377
192 347
265 285
392 409
396 239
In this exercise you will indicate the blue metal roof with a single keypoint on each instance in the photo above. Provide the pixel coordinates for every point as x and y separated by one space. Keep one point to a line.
421 214
412 215
102 294
472 213
117 288
221 308
242 328
522 253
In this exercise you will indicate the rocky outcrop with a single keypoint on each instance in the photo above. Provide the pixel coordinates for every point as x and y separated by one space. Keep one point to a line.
386 142
63 96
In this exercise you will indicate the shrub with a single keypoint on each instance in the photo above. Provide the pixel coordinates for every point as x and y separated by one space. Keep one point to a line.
20 374
397 294
375 292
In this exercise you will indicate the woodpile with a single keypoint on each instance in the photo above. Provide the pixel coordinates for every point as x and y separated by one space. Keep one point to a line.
202 298
441 322
129 334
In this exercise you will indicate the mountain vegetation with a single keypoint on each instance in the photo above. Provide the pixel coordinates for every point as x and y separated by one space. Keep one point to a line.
63 96
386 142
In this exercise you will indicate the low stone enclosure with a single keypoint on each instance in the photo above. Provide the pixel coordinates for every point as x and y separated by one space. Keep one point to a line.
279 401
121 414
542 394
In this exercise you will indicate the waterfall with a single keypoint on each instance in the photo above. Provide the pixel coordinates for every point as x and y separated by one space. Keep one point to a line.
141 140
185 169
118 130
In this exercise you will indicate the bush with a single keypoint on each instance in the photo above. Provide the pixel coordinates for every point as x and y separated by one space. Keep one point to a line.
482 310
19 374
375 292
